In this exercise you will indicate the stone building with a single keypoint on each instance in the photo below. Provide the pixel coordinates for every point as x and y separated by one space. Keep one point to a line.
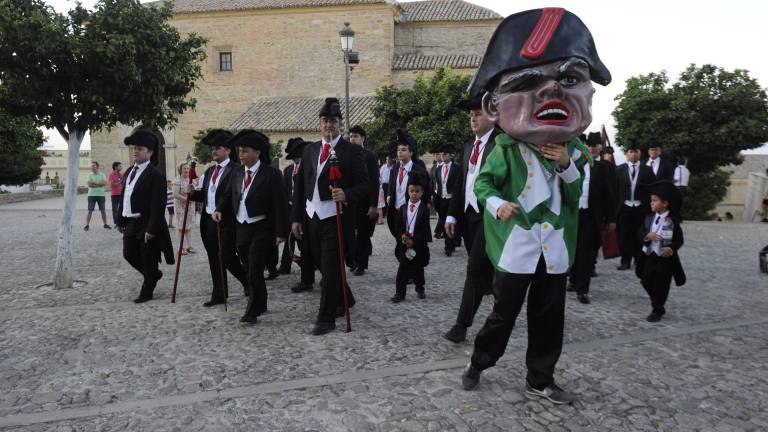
271 62
748 187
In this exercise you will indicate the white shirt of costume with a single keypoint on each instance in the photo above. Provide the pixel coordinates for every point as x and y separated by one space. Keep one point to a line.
327 208
656 227
242 213
682 176
401 187
470 199
632 202
410 220
584 198
654 164
384 173
446 170
129 185
210 206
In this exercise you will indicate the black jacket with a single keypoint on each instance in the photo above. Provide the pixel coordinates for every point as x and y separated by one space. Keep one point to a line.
372 166
266 196
602 193
454 180
666 170
624 185
391 198
677 242
202 194
149 198
422 234
456 209
288 182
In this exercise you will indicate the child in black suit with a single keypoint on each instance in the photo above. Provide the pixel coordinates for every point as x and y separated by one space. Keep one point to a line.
412 251
661 237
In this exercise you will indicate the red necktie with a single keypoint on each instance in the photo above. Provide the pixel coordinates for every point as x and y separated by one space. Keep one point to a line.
326 151
402 173
412 207
248 178
445 171
215 174
475 153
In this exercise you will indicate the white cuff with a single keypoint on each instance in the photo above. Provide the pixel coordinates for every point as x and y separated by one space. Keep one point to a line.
492 205
570 174
450 220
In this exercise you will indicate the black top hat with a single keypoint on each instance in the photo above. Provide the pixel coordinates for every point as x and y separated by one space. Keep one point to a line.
294 148
253 139
403 138
470 103
594 139
143 138
331 108
358 130
653 143
445 148
667 191
418 179
218 138
632 144
536 37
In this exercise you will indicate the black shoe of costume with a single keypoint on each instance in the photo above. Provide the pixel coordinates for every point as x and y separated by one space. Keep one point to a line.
593 274
359 271
552 393
272 275
623 267
284 270
397 298
86 228
570 287
448 252
213 303
250 319
653 317
300 287
470 378
583 298
142 298
421 294
159 276
322 328
457 333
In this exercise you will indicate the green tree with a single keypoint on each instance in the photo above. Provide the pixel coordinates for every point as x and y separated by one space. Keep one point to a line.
427 110
88 70
708 117
20 159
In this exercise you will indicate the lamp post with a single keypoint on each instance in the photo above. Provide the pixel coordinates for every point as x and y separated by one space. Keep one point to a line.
347 42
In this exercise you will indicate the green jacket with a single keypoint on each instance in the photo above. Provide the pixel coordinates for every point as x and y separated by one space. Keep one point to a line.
548 217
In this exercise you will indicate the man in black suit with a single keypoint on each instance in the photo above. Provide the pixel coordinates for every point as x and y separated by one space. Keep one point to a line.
437 164
407 162
596 210
315 198
448 179
214 183
142 213
661 167
632 202
465 215
256 197
365 209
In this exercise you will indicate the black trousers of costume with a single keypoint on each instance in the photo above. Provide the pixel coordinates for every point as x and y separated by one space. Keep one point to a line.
228 255
657 278
629 221
254 245
442 212
406 271
546 310
587 244
364 227
324 243
479 275
141 255
441 208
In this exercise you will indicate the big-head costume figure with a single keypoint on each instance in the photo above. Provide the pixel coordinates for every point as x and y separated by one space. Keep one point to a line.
536 80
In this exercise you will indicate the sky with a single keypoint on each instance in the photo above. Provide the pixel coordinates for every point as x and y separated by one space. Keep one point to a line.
634 38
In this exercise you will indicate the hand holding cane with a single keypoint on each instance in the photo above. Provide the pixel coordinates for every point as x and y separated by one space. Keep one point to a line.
192 176
335 176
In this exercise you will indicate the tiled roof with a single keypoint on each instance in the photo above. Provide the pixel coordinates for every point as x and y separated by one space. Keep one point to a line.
422 62
445 10
288 115
192 6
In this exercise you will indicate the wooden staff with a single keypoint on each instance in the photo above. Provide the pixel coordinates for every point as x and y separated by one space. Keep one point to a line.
192 176
335 175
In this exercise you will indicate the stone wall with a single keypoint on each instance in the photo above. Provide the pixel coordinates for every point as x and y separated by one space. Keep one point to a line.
443 37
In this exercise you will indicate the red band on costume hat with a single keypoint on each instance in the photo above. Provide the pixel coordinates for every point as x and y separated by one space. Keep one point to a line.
542 33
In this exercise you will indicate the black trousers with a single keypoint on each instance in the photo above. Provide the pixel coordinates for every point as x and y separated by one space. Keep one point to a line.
442 212
116 200
324 243
141 255
479 275
228 255
629 221
407 270
546 310
254 245
587 244
364 227
657 278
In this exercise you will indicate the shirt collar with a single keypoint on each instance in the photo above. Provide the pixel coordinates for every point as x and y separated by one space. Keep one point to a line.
663 215
223 164
484 139
416 208
142 165
334 142
408 166
254 168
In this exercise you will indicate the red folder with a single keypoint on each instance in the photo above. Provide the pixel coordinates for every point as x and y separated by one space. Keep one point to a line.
610 244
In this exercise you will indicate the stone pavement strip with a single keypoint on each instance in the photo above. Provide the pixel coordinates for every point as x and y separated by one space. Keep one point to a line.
89 359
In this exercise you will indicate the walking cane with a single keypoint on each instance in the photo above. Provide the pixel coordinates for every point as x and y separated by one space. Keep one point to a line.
335 176
222 273
192 176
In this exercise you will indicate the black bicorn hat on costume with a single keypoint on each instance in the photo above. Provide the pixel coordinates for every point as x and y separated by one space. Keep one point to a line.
445 148
470 103
144 138
418 179
294 148
358 130
220 138
654 143
594 139
583 138
253 139
402 138
608 150
667 191
533 38
632 144
331 108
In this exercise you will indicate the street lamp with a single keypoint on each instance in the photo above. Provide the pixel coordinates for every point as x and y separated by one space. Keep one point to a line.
347 43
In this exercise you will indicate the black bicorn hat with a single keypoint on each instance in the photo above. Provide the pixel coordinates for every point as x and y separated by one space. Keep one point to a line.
594 138
654 143
470 103
632 144
583 138
144 138
403 138
294 148
667 191
358 130
218 138
535 37
331 108
418 179
445 148
253 139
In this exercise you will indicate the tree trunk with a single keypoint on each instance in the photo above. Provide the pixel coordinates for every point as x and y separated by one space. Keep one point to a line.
62 276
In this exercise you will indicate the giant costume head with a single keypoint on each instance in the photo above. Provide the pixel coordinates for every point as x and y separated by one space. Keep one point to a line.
536 76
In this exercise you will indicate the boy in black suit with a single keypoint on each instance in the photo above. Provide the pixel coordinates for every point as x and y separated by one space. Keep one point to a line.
407 163
256 197
448 181
412 251
662 237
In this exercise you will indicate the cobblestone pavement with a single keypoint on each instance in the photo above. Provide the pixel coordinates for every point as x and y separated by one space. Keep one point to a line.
88 359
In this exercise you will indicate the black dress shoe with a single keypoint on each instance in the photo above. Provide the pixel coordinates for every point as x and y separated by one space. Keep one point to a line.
420 293
583 298
593 274
142 299
653 317
623 267
284 270
359 271
272 275
570 287
470 378
457 333
397 298
448 253
322 328
213 303
300 287
250 319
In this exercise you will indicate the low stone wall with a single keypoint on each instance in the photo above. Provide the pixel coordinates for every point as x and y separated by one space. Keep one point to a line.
31 196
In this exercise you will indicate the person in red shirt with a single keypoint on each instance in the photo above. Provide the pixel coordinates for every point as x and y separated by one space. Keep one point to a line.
115 179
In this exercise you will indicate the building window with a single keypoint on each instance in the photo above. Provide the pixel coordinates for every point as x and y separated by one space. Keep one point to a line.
225 61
